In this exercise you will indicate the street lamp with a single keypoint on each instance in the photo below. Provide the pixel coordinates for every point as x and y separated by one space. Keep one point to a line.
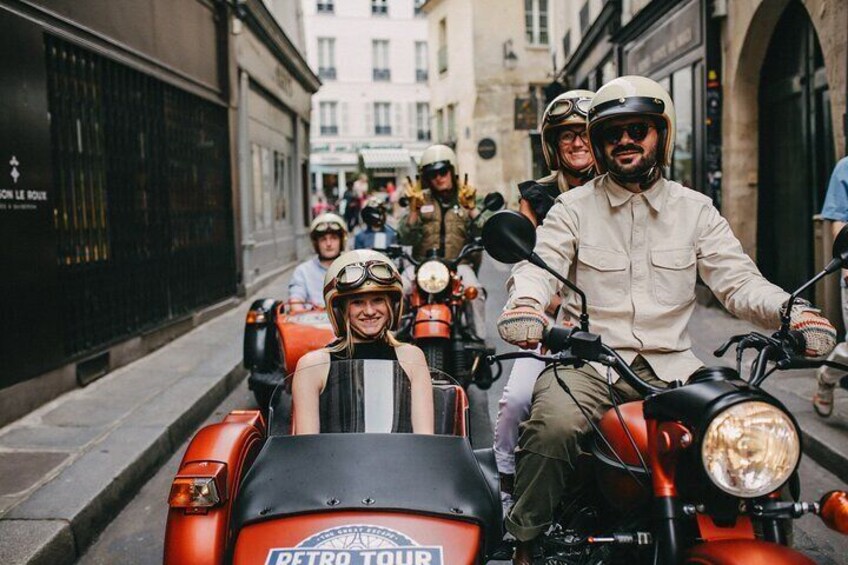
510 59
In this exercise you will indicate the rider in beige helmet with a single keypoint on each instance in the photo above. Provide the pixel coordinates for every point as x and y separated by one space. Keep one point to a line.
635 243
441 217
328 233
565 146
364 296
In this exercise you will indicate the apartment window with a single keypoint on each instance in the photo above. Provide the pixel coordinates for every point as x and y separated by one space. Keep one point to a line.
283 185
327 58
379 7
417 4
536 21
328 119
443 46
421 61
422 121
566 45
380 60
584 18
440 125
325 6
451 122
382 118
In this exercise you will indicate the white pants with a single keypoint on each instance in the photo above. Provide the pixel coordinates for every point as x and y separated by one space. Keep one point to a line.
514 408
840 353
476 314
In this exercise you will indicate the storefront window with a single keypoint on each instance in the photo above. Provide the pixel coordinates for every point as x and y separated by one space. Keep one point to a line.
682 84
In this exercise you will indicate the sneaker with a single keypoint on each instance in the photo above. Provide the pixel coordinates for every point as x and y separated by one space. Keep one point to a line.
823 399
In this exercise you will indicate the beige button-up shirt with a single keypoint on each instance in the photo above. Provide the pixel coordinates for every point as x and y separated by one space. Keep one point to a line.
636 256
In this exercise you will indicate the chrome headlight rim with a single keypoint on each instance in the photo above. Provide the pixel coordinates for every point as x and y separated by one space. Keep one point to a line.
433 276
793 453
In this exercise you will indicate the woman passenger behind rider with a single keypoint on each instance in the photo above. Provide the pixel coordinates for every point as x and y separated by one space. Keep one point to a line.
363 292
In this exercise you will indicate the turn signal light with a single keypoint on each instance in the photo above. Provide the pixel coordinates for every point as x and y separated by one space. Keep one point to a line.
471 293
256 317
199 485
834 510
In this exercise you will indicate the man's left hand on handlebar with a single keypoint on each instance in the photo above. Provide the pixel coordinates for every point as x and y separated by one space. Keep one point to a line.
523 324
819 334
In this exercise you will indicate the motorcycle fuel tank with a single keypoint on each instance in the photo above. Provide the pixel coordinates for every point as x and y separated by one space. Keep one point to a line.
621 491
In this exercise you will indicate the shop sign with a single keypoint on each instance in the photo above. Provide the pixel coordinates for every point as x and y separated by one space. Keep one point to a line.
487 148
681 33
526 113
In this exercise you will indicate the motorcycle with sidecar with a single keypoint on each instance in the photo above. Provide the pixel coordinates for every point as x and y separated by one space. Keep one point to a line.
704 472
276 335
251 493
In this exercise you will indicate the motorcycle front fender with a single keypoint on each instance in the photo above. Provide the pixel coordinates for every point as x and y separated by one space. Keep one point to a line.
432 321
747 552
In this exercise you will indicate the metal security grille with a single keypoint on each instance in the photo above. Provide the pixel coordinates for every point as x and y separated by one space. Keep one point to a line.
143 203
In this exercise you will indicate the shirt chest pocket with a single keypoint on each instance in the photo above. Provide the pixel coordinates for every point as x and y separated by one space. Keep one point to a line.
674 273
602 274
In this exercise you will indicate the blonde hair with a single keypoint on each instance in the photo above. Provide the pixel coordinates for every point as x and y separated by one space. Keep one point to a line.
345 344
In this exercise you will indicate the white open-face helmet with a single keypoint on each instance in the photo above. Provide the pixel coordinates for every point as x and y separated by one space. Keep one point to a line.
360 272
568 109
327 223
435 159
632 96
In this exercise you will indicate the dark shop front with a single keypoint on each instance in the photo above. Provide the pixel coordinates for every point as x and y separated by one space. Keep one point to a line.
116 202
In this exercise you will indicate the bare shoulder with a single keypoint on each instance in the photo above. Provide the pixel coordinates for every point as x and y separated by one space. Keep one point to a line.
313 358
410 354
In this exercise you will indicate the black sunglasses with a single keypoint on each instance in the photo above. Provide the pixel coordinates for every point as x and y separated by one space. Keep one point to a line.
636 131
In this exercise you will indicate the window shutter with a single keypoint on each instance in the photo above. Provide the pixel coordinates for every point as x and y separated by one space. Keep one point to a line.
398 128
343 123
369 118
411 121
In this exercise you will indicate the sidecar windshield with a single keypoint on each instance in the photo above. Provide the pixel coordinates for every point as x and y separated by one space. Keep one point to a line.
366 396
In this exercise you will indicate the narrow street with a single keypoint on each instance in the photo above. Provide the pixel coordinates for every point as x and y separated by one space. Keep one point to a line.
137 534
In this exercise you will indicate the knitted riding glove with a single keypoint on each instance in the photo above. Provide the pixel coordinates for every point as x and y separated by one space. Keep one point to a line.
467 197
522 324
819 334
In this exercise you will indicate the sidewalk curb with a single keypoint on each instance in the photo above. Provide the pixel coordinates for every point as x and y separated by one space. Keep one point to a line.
83 524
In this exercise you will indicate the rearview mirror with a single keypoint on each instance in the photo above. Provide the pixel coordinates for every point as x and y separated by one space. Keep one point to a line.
840 251
493 202
509 237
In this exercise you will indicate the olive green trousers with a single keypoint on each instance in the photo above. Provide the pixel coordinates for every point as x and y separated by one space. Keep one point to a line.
553 439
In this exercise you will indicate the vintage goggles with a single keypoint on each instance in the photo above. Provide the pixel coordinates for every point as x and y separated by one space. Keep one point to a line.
325 227
563 109
437 169
355 275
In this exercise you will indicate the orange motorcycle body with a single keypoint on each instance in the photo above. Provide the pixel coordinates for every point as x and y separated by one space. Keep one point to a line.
619 488
198 535
432 321
744 552
302 332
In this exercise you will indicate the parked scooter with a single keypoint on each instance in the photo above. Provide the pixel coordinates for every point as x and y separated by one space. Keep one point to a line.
247 494
436 318
696 473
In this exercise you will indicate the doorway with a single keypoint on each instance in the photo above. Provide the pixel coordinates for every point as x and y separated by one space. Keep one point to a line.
796 148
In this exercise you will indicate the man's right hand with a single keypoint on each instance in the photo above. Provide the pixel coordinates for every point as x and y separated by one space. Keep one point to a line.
523 326
415 195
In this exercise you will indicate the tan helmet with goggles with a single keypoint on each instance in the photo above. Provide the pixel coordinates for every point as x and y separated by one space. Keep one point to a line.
629 96
435 160
328 223
568 109
359 272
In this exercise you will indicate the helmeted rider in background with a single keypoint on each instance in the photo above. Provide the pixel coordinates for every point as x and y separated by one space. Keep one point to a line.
441 216
635 243
377 233
328 233
565 146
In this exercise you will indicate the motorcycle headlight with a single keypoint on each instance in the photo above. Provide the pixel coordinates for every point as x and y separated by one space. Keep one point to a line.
433 276
750 449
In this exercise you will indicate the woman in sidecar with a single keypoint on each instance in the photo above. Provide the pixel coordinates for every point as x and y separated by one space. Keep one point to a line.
363 292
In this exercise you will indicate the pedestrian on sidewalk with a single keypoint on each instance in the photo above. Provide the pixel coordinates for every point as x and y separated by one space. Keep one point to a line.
835 209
